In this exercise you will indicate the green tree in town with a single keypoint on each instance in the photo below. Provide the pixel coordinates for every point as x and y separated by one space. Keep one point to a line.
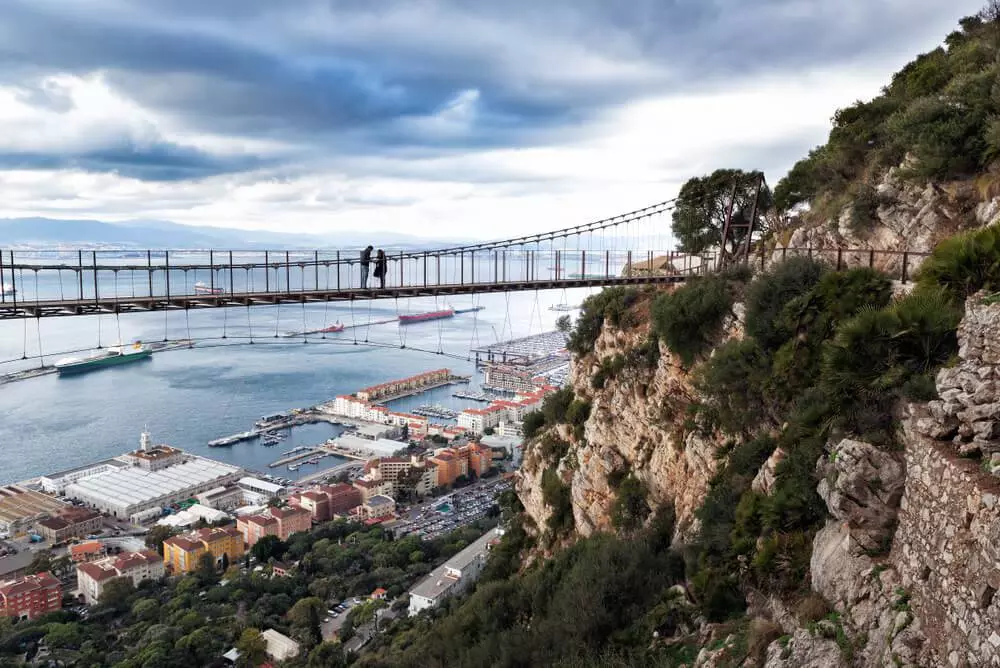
267 548
252 648
156 535
305 617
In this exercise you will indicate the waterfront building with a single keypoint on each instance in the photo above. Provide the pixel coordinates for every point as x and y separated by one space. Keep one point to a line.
30 596
21 507
404 385
221 498
71 522
368 448
454 576
56 483
478 420
182 553
136 566
154 476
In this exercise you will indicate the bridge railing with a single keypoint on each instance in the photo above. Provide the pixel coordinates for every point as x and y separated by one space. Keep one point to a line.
106 277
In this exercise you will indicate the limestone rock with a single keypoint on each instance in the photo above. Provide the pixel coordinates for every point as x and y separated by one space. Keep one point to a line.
804 650
862 485
764 481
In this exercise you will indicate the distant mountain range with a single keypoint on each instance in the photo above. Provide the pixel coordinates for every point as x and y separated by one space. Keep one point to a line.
141 234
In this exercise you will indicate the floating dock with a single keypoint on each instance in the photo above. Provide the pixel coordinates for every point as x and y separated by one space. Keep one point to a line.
523 351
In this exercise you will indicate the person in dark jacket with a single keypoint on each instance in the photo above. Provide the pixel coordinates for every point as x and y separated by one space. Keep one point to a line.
366 258
380 268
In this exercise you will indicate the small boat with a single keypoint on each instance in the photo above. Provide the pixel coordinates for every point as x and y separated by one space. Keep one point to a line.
293 467
203 289
110 357
7 290
424 317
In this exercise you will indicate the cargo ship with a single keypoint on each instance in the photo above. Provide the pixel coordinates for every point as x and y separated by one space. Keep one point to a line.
110 357
424 317
471 309
331 329
202 289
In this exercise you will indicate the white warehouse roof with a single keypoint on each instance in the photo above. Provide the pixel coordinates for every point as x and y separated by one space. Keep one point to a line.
133 486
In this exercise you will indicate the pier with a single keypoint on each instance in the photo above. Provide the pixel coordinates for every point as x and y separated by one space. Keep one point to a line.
308 453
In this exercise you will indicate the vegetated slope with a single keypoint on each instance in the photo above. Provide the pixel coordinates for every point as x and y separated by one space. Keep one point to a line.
915 164
788 406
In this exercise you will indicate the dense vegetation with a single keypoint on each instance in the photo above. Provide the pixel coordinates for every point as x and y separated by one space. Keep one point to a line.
192 620
941 109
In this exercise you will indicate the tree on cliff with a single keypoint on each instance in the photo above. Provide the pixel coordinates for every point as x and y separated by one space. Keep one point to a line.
702 205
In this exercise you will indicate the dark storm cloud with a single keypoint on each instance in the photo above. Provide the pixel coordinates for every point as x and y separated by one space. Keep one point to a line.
161 161
339 77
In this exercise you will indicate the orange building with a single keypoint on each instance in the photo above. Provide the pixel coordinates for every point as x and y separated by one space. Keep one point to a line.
280 522
182 553
478 456
450 464
255 527
89 551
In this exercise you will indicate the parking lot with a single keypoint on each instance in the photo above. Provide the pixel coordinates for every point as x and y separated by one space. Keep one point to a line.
442 515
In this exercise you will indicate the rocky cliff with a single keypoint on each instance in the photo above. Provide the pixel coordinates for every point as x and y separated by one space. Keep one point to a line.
905 217
637 426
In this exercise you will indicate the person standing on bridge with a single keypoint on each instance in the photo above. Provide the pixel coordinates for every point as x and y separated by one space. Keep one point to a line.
380 268
366 259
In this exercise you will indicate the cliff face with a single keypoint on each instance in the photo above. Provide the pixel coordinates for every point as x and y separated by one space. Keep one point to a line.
636 425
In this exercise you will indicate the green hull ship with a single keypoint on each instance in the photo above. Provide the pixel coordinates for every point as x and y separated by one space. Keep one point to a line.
110 357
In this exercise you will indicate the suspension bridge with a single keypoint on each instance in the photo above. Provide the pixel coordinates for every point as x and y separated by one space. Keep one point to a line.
628 249
623 250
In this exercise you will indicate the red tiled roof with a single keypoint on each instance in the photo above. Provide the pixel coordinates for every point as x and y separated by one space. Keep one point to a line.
95 572
89 547
183 543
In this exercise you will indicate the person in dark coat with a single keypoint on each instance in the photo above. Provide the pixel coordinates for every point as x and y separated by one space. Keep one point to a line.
366 258
380 268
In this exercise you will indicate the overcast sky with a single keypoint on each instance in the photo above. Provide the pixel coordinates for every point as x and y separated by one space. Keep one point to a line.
447 118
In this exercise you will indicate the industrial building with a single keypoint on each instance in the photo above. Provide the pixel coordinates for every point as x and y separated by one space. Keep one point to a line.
257 491
454 576
127 492
21 507
71 522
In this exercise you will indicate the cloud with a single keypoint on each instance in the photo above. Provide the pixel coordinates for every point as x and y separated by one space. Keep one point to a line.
398 113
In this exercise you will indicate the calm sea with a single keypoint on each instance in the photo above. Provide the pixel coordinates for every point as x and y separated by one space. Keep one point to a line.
221 386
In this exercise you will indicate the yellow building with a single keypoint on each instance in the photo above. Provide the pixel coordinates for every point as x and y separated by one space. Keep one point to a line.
181 554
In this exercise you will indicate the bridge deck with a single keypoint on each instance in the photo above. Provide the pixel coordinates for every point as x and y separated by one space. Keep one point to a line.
108 304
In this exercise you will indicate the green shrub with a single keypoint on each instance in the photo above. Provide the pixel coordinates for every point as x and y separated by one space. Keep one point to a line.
553 448
731 383
630 509
611 305
556 404
771 291
556 496
864 209
609 369
964 264
689 318
533 423
945 135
